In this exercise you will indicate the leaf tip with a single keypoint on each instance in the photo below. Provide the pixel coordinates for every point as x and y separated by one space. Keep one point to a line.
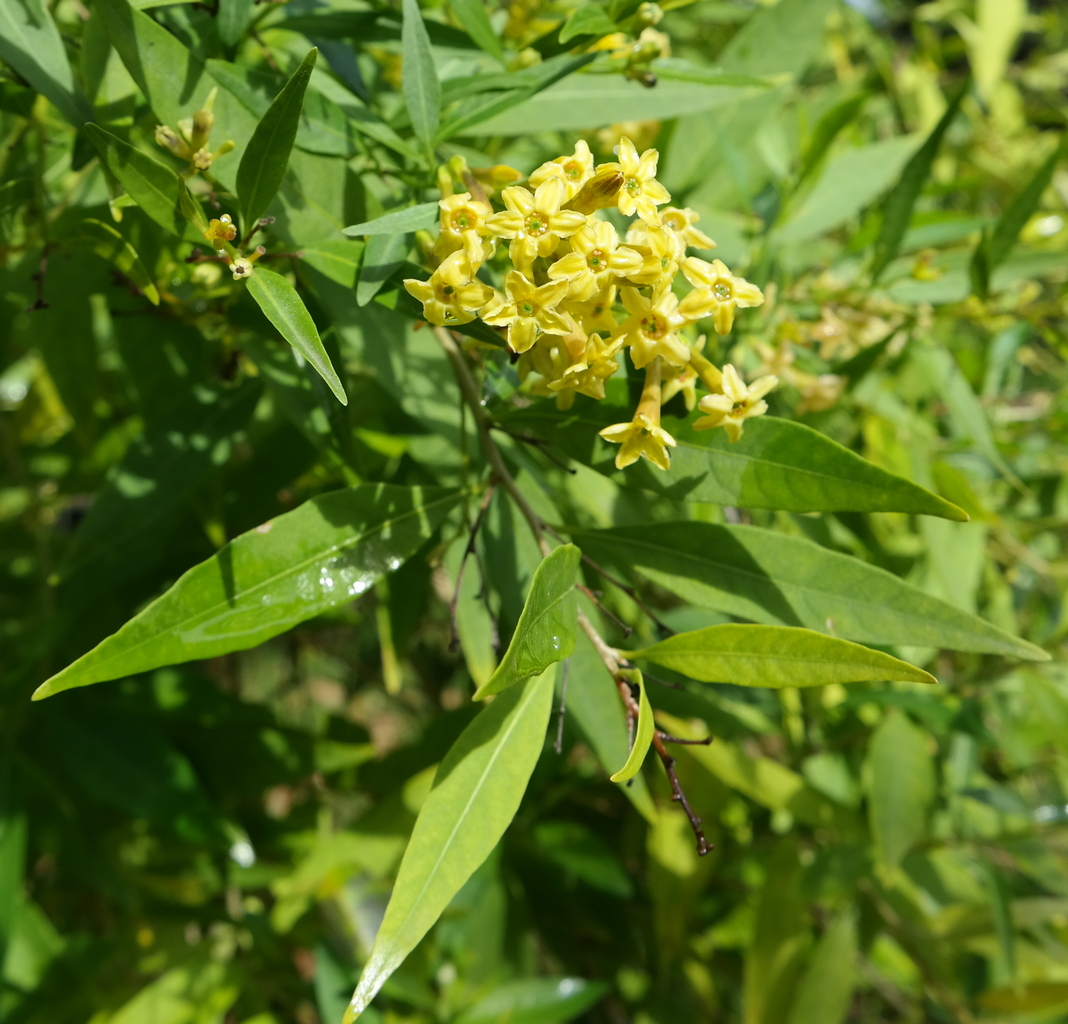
46 689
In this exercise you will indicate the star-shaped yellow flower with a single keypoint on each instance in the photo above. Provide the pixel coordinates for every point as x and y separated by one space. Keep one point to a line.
595 314
659 250
682 223
588 376
738 403
641 192
534 223
452 295
640 437
528 311
596 258
652 329
574 171
716 293
463 226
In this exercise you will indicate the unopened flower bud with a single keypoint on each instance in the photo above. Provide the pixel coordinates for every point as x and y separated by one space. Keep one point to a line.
598 193
650 14
203 122
202 159
167 138
222 229
225 148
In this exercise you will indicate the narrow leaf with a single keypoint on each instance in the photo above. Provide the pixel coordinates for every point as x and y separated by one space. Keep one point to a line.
420 78
790 581
286 310
827 129
535 1001
897 207
111 246
775 657
328 551
902 788
266 157
546 629
475 796
383 255
151 185
643 734
233 19
825 991
777 464
472 15
589 20
191 208
407 218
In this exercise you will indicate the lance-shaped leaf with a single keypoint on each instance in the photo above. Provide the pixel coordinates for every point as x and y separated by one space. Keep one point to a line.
107 243
775 657
824 993
148 183
328 551
191 208
536 1001
408 218
286 310
897 208
266 157
475 796
31 44
777 464
589 20
643 734
781 580
472 15
422 93
546 629
382 255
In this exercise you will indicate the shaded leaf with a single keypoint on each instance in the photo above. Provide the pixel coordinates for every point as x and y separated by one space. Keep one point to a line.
262 583
192 994
475 796
826 989
535 1001
422 94
588 20
643 734
774 657
382 255
266 157
286 310
233 19
782 580
472 15
1032 998
111 246
407 218
902 788
545 632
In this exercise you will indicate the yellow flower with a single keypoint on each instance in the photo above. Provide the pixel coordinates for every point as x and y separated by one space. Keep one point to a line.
452 295
659 250
717 292
641 192
731 409
574 171
596 258
241 268
819 393
534 223
652 329
682 223
596 313
463 225
221 229
588 377
643 435
683 383
528 311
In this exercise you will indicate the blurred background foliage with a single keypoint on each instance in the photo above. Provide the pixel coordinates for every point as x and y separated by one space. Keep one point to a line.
216 842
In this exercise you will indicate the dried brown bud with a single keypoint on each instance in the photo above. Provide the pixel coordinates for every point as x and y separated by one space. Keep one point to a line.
599 192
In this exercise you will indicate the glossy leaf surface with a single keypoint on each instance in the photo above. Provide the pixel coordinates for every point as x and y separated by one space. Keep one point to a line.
266 157
643 732
286 310
293 567
778 579
774 657
545 632
475 796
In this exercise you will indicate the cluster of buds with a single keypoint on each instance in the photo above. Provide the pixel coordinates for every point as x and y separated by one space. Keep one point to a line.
575 295
221 233
190 141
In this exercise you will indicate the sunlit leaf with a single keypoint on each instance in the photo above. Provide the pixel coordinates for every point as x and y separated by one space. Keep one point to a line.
535 1001
587 20
475 796
264 582
472 15
422 94
408 218
545 632
643 733
111 246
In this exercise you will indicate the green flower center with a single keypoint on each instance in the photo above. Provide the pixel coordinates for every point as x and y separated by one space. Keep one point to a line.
573 170
674 223
526 308
464 219
597 261
633 186
654 326
448 290
722 291
536 226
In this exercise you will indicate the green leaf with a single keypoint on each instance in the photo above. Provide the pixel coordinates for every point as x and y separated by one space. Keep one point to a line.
475 796
170 75
422 93
994 249
405 219
382 255
31 44
643 735
1035 997
266 157
783 38
233 19
827 129
897 208
472 15
902 788
824 993
535 1001
14 194
192 994
286 310
151 185
107 243
191 208
264 582
782 580
339 259
474 623
588 20
546 629
12 853
775 657
777 464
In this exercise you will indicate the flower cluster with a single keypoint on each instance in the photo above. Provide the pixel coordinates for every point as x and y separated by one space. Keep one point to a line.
190 141
574 293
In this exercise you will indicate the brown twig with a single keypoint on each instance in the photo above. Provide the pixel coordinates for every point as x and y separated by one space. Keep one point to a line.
607 611
261 223
454 643
39 277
